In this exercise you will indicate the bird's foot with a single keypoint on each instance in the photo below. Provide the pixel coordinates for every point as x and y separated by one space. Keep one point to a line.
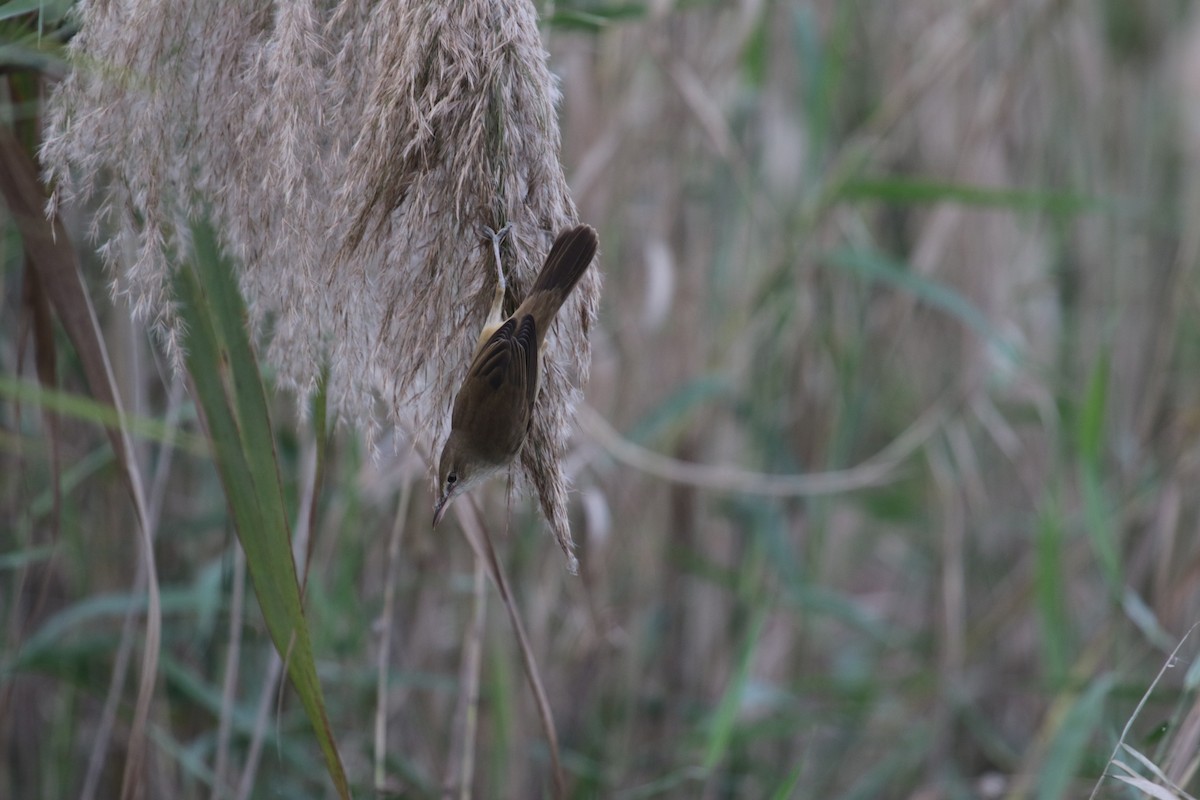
497 237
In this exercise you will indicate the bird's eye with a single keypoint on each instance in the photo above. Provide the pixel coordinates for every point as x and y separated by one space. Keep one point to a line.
452 479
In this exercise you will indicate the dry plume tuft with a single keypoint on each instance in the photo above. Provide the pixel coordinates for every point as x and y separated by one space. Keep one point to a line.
351 155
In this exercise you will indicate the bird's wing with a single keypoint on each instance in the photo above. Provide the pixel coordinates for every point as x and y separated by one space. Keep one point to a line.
495 403
527 341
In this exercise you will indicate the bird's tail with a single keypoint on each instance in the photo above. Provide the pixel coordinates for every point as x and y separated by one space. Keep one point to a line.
569 258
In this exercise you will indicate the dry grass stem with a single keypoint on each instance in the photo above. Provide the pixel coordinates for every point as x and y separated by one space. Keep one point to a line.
116 687
460 766
47 248
1171 662
387 625
481 542
878 470
221 785
262 722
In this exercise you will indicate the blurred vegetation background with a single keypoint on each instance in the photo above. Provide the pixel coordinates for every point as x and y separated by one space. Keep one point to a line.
939 256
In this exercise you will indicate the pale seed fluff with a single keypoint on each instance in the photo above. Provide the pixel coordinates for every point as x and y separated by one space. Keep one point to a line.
350 154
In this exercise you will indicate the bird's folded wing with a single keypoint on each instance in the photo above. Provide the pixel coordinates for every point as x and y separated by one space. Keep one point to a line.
495 403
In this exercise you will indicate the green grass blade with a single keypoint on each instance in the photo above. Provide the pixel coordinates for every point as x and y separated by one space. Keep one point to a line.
881 776
1050 578
89 410
1142 615
915 191
724 720
1098 510
71 479
1191 680
1069 746
788 788
230 393
877 267
1092 415
597 16
86 617
51 11
1100 517
674 411
20 559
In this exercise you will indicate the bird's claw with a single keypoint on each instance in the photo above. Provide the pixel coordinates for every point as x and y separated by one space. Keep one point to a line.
497 237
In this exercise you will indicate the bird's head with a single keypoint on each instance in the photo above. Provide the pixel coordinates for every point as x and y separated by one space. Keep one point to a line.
458 471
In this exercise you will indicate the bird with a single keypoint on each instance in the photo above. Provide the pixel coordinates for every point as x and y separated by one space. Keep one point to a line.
493 408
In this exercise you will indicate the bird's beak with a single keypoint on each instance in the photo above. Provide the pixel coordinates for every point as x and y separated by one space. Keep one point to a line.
439 509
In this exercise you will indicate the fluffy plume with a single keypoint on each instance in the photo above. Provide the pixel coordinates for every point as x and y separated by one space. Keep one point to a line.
351 154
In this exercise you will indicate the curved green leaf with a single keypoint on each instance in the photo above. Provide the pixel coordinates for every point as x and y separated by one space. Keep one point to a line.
230 394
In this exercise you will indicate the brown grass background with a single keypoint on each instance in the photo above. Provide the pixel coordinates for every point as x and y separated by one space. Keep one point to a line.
943 250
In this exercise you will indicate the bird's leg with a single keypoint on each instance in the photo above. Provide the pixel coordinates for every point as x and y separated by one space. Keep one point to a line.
497 238
495 316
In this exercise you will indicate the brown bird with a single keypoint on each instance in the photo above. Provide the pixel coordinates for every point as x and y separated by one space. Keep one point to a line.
494 406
